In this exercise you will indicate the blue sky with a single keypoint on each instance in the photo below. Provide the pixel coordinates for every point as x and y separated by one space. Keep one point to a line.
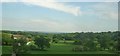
60 16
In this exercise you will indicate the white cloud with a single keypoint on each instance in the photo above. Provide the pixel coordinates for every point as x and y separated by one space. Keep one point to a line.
51 4
55 5
40 25
46 25
53 26
104 10
8 0
111 0
108 10
68 0
88 0
49 25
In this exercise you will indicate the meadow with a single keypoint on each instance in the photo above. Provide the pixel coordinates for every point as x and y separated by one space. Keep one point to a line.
57 48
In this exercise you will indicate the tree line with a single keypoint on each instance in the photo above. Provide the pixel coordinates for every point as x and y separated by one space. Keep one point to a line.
85 41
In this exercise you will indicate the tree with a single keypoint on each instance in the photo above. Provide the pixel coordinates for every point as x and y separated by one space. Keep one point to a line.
55 39
42 42
19 45
118 45
104 40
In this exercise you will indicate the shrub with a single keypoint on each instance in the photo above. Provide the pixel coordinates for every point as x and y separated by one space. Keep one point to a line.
77 42
78 48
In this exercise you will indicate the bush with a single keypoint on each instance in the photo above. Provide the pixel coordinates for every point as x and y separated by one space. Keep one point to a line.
6 39
19 46
77 42
55 40
42 43
32 45
78 48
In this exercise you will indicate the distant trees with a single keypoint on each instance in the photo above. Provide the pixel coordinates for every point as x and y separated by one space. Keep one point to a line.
118 45
97 41
77 42
55 39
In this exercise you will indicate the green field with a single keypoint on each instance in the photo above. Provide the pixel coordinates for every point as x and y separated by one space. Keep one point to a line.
58 48
6 49
65 49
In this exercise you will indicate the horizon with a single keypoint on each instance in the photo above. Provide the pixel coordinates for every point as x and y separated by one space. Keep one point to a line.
55 32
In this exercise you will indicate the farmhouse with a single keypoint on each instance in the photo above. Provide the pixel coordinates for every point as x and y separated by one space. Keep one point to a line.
16 36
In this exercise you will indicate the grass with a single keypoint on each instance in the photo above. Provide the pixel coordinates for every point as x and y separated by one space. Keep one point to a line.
56 48
6 49
0 50
65 49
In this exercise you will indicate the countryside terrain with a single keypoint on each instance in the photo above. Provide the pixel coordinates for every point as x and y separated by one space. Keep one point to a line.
60 43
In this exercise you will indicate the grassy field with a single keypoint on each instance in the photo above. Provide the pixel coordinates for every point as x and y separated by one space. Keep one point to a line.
0 50
58 48
6 49
65 49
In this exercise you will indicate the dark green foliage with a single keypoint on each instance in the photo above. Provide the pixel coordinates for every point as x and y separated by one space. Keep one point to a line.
42 42
6 39
19 46
118 45
78 48
55 40
99 41
77 42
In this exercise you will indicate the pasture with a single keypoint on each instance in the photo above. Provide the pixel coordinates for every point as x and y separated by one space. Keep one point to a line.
56 48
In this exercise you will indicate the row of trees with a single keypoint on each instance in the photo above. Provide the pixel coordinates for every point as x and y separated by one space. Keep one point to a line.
98 41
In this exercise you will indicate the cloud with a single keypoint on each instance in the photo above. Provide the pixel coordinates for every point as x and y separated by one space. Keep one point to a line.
107 10
51 4
39 25
67 0
8 0
49 25
55 5
88 0
104 10
46 25
111 0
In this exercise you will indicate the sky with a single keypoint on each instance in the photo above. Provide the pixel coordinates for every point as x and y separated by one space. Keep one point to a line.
59 16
